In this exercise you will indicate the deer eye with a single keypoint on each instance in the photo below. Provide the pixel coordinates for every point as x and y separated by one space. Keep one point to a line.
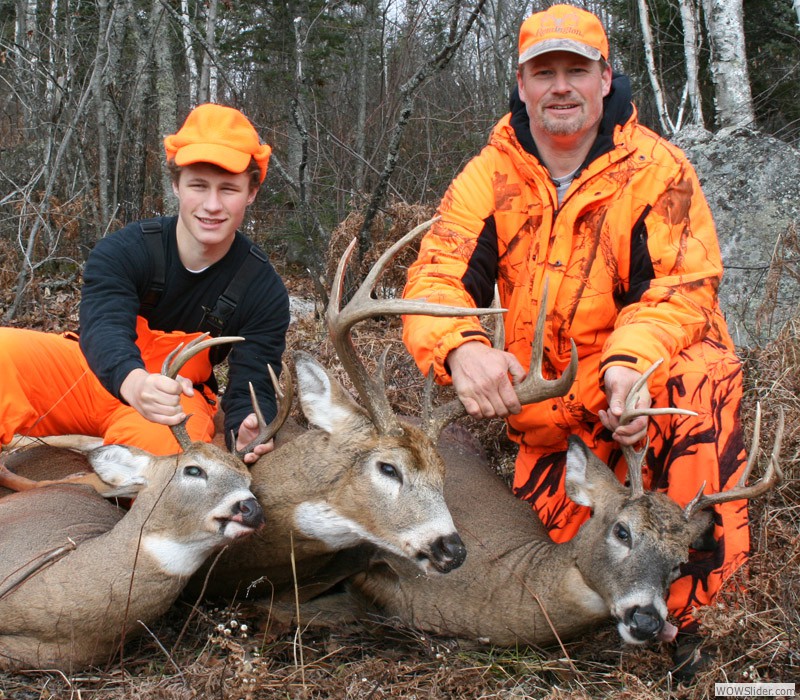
622 534
389 470
194 471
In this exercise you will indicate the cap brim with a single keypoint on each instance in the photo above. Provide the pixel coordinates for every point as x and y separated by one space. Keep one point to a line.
569 45
225 157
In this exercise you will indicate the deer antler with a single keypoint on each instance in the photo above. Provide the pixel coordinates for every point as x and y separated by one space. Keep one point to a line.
284 397
360 307
772 476
173 364
532 389
635 458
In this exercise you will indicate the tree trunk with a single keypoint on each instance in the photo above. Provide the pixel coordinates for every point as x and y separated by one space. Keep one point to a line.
166 91
732 97
663 113
98 89
365 54
188 50
208 71
691 46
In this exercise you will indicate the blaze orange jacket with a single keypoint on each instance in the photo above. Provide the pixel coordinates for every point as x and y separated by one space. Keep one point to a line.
631 258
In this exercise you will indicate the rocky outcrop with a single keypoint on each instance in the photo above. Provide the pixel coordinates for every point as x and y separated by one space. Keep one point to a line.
752 183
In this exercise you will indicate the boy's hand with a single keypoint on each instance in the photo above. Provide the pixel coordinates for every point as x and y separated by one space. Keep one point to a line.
155 396
248 431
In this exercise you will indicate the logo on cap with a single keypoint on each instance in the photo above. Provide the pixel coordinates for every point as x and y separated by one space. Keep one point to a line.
562 28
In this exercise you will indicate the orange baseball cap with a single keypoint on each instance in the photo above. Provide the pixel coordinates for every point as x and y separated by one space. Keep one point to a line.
219 135
562 28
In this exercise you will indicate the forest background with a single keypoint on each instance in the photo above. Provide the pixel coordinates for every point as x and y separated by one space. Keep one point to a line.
365 102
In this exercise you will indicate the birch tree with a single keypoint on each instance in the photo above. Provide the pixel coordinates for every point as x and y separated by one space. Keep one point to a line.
188 52
667 124
691 47
208 75
733 100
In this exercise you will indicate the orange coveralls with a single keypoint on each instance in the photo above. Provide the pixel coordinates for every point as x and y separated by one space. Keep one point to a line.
633 266
73 400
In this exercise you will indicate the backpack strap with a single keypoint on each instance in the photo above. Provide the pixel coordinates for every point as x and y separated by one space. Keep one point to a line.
151 228
214 320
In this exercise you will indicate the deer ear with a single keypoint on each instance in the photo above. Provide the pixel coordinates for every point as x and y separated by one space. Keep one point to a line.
121 467
587 476
701 526
325 402
575 481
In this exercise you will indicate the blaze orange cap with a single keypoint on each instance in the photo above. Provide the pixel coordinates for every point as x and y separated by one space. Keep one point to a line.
219 135
562 28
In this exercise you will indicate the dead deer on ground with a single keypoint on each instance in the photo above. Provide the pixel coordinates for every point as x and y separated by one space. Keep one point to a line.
361 476
78 575
517 586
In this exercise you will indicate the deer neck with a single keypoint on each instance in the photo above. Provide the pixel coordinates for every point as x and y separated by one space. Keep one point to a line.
299 494
576 592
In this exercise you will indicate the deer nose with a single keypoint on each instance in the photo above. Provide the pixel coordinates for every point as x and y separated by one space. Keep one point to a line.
249 513
644 622
448 552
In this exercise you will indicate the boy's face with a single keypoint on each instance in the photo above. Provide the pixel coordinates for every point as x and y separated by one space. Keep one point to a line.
212 205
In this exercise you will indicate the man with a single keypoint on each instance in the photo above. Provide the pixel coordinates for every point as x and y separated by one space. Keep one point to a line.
147 288
572 192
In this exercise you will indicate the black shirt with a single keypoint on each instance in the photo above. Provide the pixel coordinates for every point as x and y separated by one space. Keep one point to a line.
119 273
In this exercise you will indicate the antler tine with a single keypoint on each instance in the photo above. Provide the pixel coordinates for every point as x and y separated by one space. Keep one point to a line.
176 360
535 387
284 396
532 389
435 420
635 458
362 306
771 478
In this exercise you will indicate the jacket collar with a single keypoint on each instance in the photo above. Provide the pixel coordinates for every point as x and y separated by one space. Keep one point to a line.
617 110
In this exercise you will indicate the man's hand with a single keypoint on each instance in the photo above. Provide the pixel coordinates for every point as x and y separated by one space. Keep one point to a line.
619 381
155 396
248 431
480 377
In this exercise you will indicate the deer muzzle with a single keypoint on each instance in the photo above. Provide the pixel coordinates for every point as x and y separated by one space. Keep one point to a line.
248 513
447 553
645 623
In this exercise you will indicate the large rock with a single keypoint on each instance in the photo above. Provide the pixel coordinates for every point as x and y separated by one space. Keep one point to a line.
752 183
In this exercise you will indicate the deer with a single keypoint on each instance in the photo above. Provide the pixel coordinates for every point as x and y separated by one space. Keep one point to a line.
517 586
79 576
361 476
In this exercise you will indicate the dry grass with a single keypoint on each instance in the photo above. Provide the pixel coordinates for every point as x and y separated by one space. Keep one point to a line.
753 629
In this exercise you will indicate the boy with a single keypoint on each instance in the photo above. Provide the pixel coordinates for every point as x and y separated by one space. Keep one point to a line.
147 288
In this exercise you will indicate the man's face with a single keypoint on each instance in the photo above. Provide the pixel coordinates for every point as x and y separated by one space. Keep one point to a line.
212 205
563 93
